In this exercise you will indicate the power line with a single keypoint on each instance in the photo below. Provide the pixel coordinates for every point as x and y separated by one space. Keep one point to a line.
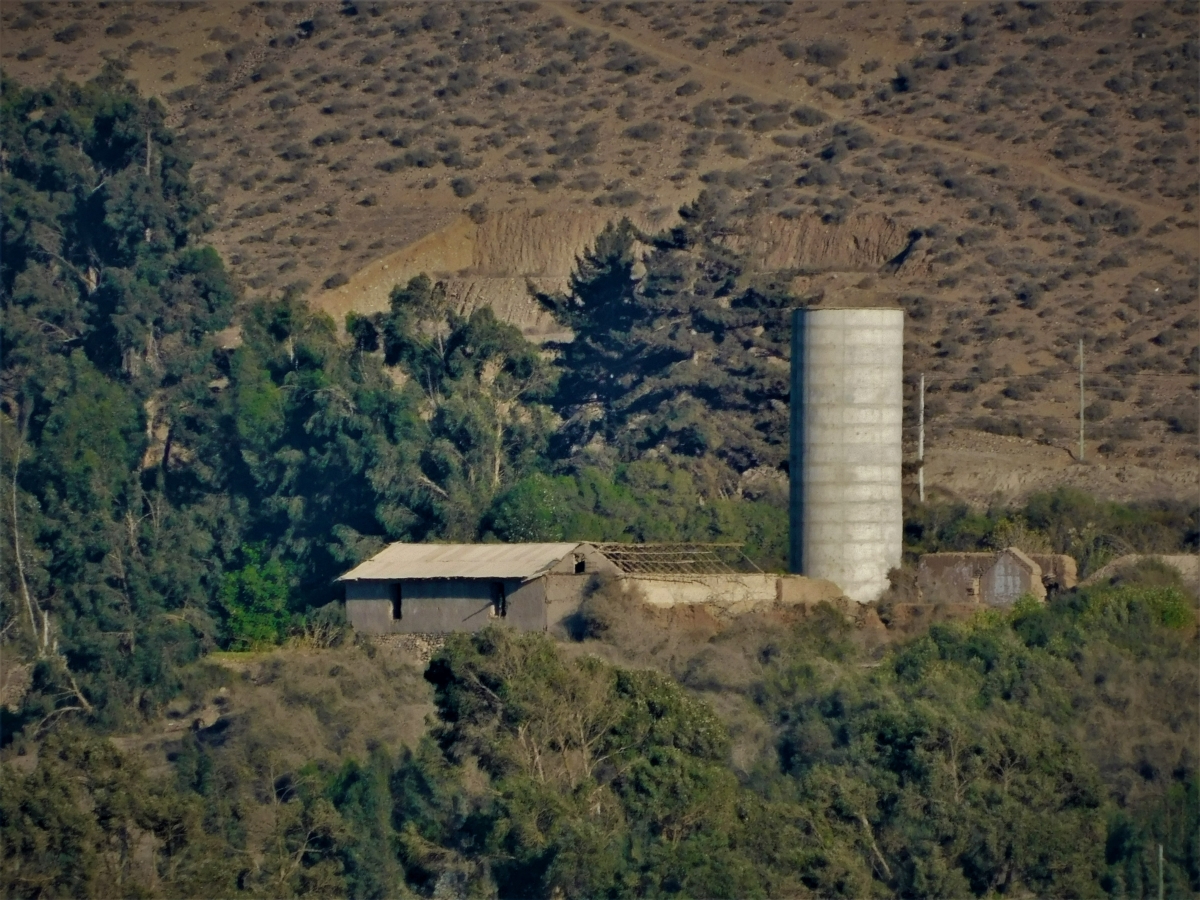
1117 375
1081 399
921 443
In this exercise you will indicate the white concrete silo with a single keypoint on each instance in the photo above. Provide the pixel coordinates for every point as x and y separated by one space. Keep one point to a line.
846 515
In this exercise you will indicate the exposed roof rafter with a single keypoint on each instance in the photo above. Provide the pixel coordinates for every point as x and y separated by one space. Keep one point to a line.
681 558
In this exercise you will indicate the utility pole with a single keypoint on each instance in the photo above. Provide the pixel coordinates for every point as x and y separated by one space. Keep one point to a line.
921 442
1160 873
1081 399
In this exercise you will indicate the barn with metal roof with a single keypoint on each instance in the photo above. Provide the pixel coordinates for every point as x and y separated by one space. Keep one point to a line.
438 588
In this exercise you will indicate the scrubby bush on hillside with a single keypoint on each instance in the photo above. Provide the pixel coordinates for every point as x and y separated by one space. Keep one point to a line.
826 52
808 116
70 34
647 131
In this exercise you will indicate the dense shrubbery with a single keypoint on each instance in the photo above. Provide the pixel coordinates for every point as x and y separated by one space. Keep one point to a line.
255 601
996 756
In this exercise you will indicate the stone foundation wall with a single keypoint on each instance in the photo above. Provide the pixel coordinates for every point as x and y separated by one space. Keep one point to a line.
420 647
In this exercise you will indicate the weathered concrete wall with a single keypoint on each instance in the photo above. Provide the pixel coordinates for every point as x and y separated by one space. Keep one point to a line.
726 595
952 577
1011 577
441 606
594 562
994 579
796 590
564 594
1058 569
729 591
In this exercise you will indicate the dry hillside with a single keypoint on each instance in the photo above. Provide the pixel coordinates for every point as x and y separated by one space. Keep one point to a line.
1020 175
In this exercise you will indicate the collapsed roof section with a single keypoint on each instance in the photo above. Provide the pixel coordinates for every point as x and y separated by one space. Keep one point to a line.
678 559
403 561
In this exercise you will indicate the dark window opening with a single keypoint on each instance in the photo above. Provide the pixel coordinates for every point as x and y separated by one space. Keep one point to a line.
580 565
396 611
499 600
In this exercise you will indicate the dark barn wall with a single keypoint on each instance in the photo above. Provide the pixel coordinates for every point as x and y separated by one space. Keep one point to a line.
444 605
564 596
369 606
437 606
526 605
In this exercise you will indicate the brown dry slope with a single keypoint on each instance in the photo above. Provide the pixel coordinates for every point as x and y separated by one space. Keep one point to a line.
1046 155
756 76
981 467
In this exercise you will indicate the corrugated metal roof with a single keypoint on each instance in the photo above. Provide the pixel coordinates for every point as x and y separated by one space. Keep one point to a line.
404 560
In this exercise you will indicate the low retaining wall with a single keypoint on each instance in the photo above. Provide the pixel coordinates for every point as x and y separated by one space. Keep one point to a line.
733 594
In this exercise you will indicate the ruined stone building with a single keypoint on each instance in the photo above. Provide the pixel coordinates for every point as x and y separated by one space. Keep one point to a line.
439 588
992 579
